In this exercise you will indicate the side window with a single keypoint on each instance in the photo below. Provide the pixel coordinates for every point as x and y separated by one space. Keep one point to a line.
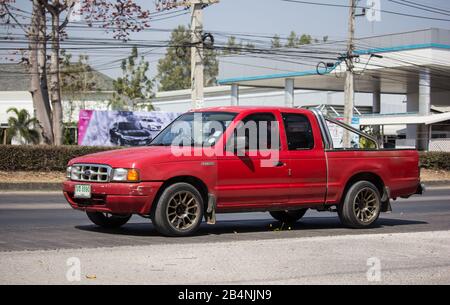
356 141
298 131
258 129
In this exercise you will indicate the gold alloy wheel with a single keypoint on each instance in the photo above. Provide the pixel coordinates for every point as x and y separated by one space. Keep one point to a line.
366 205
183 210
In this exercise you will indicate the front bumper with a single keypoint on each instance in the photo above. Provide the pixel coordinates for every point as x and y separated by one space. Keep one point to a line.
136 141
114 198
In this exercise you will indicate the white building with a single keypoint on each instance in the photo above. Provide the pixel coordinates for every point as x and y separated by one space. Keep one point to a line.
14 92
402 84
412 67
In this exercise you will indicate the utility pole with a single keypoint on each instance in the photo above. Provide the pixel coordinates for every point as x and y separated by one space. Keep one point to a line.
349 92
197 77
197 54
197 66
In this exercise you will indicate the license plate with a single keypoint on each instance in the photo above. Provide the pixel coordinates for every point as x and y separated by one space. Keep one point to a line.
142 142
82 191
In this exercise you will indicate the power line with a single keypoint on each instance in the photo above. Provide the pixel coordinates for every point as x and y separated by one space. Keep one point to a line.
367 8
427 6
419 7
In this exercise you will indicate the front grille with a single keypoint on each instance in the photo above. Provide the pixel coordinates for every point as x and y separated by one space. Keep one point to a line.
90 172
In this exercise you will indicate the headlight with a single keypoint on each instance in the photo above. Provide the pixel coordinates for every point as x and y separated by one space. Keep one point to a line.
125 175
68 172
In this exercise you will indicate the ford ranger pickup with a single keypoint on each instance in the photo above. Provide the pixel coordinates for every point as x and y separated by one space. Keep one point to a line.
243 159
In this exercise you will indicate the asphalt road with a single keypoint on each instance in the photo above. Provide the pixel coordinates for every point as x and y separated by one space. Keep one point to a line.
43 221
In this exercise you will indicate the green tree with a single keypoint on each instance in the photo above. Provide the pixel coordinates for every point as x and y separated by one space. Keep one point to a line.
291 40
294 41
22 127
232 46
78 80
134 87
304 39
249 46
174 70
45 28
276 42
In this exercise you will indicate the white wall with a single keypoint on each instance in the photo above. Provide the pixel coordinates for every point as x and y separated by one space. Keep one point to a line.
18 99
390 103
23 100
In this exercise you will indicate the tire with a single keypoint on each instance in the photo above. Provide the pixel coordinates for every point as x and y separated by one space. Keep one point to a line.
288 216
361 206
179 210
109 222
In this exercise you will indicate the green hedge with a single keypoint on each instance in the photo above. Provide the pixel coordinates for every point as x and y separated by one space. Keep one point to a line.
53 158
435 160
41 157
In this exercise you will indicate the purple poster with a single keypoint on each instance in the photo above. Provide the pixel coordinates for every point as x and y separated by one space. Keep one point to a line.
121 128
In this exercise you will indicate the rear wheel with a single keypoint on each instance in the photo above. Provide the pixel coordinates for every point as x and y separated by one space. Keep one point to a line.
288 216
361 206
106 220
179 210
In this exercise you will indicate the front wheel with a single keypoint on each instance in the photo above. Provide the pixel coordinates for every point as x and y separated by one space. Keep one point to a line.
361 206
179 210
288 216
109 221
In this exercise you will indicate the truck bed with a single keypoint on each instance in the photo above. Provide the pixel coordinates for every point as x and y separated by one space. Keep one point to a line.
396 167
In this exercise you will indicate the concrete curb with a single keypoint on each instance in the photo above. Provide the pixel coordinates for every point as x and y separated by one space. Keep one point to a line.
30 186
56 186
438 183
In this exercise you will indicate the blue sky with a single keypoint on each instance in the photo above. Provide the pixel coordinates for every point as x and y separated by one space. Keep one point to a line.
269 16
276 17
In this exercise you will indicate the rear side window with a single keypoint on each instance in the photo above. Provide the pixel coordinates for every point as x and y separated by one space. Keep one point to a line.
356 141
298 131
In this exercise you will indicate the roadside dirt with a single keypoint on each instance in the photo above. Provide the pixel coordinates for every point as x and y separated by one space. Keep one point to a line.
17 177
433 175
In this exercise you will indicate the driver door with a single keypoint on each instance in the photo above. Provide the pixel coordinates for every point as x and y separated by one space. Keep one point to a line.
245 179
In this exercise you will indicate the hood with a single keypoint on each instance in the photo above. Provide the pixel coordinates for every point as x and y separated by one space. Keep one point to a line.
129 158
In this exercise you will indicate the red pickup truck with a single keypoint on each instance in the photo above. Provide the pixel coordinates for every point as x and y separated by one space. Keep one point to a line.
242 159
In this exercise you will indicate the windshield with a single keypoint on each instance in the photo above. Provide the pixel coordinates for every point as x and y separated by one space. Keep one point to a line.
195 129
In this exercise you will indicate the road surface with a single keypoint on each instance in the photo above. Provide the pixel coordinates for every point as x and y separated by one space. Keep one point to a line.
38 232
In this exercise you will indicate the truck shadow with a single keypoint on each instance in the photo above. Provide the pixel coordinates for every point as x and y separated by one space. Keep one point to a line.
309 226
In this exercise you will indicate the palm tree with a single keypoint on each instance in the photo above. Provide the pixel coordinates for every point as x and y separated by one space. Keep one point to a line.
21 127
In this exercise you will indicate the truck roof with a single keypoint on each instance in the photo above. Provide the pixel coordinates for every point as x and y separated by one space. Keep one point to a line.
239 109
